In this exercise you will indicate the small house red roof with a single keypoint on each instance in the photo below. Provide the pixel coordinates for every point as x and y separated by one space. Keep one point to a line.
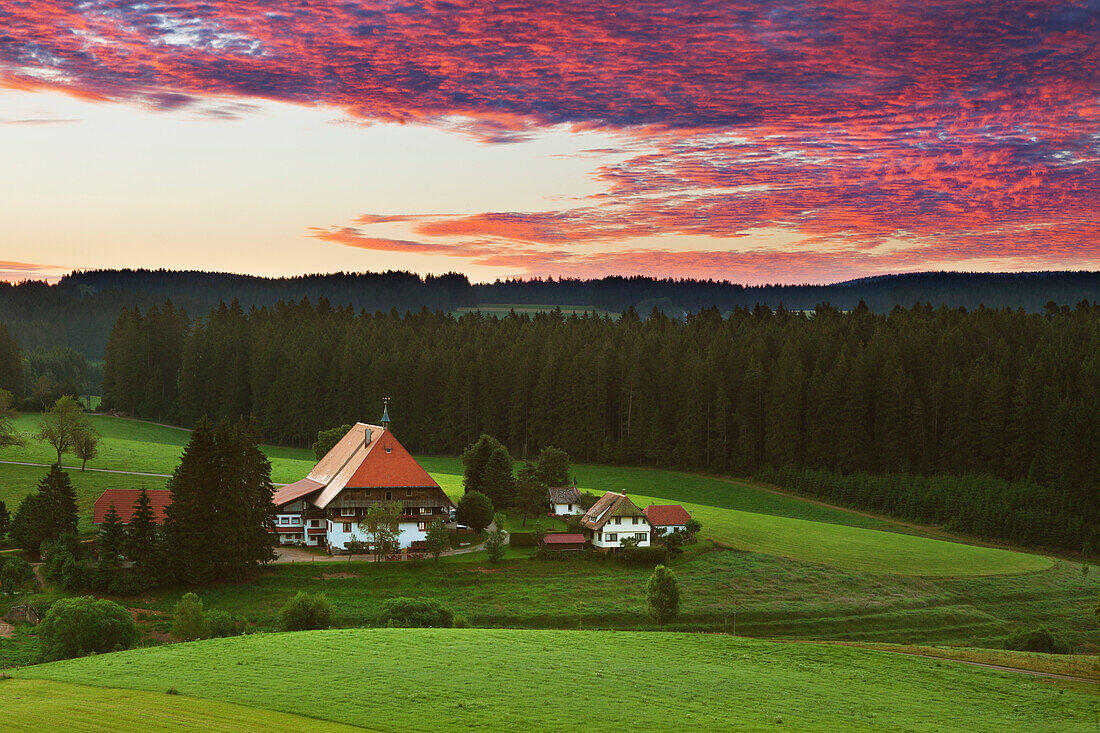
123 502
563 539
666 515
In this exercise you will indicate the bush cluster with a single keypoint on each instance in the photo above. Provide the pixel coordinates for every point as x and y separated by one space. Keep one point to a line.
415 613
306 611
74 627
190 621
1038 639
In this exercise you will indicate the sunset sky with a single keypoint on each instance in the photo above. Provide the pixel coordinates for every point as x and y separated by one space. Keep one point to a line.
782 141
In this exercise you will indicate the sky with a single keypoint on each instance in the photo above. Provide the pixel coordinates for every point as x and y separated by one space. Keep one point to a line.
783 141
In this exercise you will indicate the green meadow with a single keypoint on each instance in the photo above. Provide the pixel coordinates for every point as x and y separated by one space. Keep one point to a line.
770 564
45 706
482 679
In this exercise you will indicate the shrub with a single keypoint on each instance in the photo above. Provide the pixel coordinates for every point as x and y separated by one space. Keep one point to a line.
222 623
460 622
74 627
415 613
188 619
657 555
1037 640
16 575
306 611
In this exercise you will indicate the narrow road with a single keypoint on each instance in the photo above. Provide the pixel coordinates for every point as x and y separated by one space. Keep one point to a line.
97 470
1001 668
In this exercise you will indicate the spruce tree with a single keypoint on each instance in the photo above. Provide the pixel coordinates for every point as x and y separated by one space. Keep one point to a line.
191 530
475 459
251 526
498 482
47 514
531 491
143 543
109 545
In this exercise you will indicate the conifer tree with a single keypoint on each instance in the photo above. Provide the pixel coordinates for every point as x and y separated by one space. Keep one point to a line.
46 514
475 459
143 543
250 512
531 491
191 528
109 546
498 482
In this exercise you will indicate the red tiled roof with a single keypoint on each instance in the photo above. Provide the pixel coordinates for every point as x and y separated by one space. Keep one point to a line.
387 464
667 515
123 502
295 491
563 539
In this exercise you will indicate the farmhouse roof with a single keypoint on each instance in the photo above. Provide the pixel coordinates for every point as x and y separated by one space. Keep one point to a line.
562 538
123 501
367 457
295 491
564 495
667 515
610 505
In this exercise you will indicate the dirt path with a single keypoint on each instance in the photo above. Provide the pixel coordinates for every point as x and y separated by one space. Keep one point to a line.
7 631
986 665
97 470
999 667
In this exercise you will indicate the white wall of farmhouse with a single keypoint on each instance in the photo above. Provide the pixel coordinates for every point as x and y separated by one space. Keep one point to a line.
619 527
341 532
566 509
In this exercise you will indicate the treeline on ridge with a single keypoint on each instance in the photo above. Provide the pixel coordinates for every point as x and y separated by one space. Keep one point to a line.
978 395
80 309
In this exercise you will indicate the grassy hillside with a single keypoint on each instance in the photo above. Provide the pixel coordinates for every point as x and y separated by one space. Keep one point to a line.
38 706
743 517
735 514
462 679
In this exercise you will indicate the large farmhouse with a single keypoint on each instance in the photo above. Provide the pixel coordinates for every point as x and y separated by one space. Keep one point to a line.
615 517
368 466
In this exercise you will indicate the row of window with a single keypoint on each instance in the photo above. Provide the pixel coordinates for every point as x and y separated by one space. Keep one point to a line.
422 526
614 536
350 512
633 520
297 521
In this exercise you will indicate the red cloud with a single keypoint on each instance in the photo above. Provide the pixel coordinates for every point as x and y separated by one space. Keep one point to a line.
901 134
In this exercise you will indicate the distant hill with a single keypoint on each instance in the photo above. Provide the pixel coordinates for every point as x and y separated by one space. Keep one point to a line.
79 311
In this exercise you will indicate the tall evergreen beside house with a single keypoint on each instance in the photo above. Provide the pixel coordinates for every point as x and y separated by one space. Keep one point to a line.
46 514
218 523
143 543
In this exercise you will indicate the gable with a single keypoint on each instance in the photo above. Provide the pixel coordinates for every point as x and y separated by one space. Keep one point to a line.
368 457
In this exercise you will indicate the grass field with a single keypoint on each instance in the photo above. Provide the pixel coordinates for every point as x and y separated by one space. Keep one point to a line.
796 569
41 706
468 679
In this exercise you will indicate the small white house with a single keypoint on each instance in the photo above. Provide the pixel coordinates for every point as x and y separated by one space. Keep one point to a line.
565 501
613 518
667 518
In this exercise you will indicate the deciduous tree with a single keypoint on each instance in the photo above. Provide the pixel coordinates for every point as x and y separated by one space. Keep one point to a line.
437 540
553 466
326 439
86 445
382 525
663 594
61 423
475 510
9 436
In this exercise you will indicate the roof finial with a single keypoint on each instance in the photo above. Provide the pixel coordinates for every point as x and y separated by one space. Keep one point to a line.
386 412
